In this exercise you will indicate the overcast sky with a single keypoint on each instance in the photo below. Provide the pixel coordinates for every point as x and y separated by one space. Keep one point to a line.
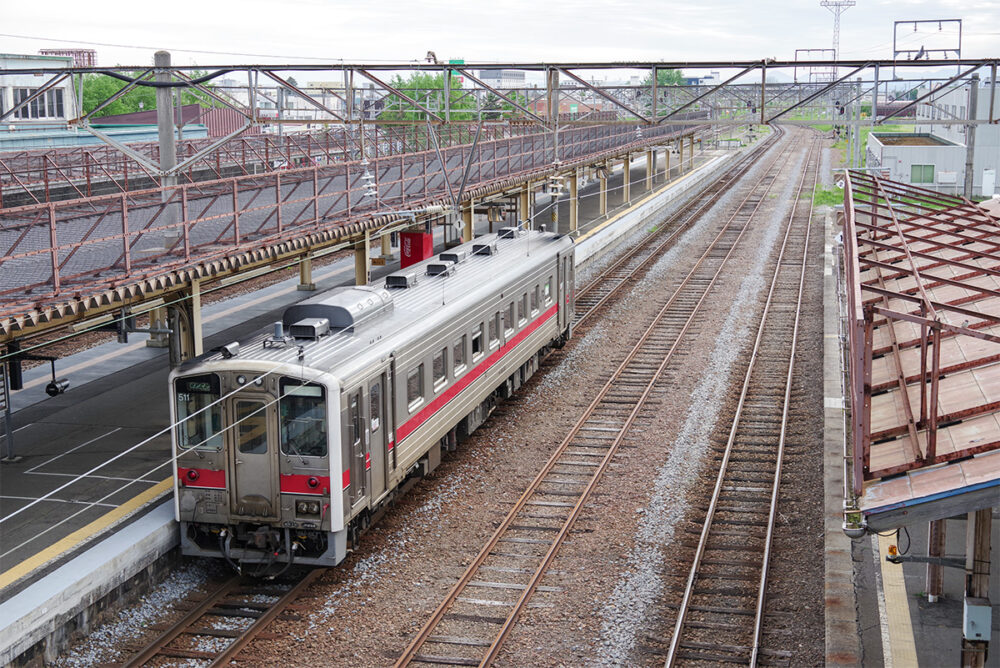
224 31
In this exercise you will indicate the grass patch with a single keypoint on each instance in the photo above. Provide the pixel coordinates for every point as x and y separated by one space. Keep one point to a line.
831 197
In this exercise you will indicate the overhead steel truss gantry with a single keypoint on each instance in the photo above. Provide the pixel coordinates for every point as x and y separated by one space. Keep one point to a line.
75 226
357 110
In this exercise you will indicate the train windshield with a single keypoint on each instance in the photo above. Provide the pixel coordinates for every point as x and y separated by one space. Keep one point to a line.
302 418
199 412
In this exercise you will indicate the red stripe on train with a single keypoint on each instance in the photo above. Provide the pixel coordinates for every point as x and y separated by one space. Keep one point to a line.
204 478
305 484
433 407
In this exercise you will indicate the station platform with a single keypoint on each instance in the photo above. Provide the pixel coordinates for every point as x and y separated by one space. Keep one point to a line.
89 538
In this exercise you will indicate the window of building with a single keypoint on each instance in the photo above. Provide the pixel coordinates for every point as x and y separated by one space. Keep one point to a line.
477 342
415 386
458 353
47 105
921 173
440 368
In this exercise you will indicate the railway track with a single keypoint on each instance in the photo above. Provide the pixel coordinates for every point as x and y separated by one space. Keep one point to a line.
470 626
222 624
720 618
632 264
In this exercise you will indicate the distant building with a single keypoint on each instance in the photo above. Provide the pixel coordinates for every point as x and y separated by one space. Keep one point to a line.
954 105
51 109
503 78
81 57
934 155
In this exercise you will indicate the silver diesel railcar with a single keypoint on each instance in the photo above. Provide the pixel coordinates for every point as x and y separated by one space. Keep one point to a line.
289 443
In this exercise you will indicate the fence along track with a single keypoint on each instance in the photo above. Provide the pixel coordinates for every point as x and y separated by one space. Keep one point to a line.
718 599
602 288
518 554
236 599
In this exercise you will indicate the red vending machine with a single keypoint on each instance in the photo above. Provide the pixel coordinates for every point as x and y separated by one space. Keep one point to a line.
414 247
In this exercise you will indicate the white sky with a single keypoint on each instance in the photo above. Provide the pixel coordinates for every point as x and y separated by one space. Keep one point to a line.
276 31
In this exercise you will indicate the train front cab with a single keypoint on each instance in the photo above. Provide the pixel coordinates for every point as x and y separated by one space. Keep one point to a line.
256 450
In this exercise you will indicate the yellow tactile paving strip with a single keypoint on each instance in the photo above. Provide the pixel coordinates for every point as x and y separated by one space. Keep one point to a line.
84 533
902 651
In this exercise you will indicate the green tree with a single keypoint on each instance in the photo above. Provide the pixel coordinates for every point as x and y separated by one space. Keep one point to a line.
428 90
99 87
665 78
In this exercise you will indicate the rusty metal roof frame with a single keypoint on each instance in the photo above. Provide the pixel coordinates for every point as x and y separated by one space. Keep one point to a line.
90 300
898 233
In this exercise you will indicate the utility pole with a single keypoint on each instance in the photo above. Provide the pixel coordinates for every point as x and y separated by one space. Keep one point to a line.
165 118
970 138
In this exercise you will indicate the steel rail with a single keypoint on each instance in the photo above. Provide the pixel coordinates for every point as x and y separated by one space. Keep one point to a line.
706 200
745 390
185 625
410 653
768 540
185 622
235 647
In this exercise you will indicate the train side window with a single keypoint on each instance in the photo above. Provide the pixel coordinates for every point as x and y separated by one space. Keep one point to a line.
354 417
440 368
522 309
477 342
548 290
415 387
534 301
375 405
458 354
509 319
494 330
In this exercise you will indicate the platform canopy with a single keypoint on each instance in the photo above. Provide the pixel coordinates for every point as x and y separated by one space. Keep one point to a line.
922 272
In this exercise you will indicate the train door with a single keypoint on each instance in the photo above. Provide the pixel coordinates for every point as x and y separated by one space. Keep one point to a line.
566 291
253 457
378 428
357 438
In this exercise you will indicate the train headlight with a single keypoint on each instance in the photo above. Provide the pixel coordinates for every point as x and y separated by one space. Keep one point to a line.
241 380
302 507
314 508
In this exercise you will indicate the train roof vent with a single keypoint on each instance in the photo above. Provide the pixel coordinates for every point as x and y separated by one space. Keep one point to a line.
455 256
489 248
508 233
441 269
401 279
342 308
309 328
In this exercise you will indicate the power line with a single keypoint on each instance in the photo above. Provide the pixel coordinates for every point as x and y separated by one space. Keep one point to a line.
214 53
